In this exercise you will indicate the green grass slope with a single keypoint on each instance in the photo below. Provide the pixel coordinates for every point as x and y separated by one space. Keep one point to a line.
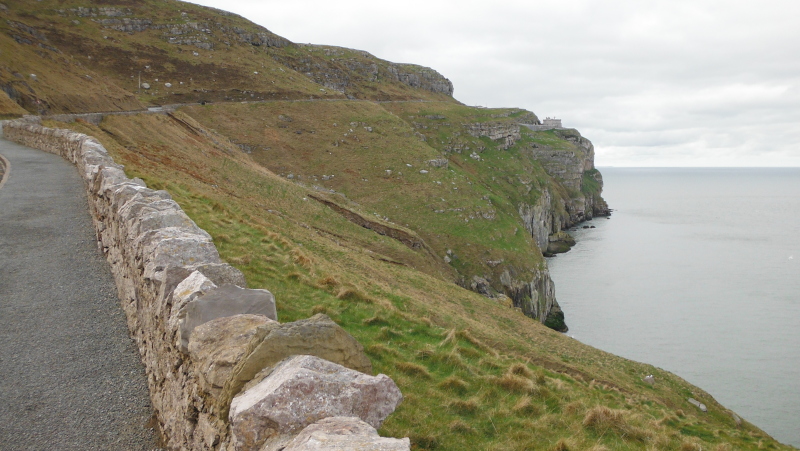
360 188
414 165
475 374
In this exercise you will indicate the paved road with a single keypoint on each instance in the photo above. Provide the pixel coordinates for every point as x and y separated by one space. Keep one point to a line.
70 376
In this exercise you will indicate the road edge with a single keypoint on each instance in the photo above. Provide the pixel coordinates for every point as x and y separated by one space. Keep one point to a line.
6 170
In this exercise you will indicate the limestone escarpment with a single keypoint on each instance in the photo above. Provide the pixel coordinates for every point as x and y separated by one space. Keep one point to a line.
172 285
345 70
421 77
573 167
507 133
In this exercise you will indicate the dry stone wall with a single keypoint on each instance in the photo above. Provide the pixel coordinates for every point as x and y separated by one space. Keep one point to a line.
207 343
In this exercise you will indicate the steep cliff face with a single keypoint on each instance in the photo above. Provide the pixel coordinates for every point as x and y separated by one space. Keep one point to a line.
536 297
421 77
569 159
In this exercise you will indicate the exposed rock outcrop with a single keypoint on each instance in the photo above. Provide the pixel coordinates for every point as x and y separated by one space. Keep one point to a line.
535 297
349 68
560 242
571 167
507 133
421 77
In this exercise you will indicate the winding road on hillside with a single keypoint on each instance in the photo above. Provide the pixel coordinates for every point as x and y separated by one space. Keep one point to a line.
70 376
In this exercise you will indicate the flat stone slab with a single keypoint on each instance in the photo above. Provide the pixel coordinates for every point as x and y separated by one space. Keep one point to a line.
227 300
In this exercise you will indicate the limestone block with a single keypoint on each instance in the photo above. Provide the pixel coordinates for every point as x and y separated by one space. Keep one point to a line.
344 433
153 218
128 192
108 177
216 346
698 404
196 284
318 336
168 247
302 390
219 273
226 300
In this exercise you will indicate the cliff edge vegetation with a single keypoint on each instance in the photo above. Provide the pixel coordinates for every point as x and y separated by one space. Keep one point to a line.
360 188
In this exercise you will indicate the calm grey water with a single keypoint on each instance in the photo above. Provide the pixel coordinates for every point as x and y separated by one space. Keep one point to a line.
697 272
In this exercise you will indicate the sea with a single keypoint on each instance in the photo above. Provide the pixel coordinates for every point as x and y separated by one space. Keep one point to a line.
697 272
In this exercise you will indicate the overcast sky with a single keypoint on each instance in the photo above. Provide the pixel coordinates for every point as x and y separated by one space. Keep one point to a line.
651 83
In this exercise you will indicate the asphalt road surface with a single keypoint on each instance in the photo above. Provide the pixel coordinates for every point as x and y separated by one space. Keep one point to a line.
70 376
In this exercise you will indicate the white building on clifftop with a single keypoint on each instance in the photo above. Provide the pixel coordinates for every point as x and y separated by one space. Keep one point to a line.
549 123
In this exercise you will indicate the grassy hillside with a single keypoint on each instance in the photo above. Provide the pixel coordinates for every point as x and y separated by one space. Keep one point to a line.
358 187
475 374
92 56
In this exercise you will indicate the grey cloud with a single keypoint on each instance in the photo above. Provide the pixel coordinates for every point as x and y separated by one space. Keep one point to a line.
701 82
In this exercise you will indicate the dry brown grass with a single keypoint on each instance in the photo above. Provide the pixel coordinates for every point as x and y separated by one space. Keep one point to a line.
352 294
469 352
461 407
574 408
515 384
601 418
327 282
520 369
467 335
379 350
454 383
461 427
302 259
375 320
526 407
413 369
242 260
691 444
427 352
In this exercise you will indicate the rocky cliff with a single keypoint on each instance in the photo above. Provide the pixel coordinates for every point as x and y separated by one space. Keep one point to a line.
348 71
570 161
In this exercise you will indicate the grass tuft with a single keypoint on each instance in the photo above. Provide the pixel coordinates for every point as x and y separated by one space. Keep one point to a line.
601 418
351 294
380 350
461 427
375 320
327 282
461 407
515 384
413 369
520 369
526 407
454 383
